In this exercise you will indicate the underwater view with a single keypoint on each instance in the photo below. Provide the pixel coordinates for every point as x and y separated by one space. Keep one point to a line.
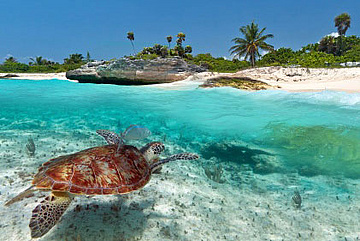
273 165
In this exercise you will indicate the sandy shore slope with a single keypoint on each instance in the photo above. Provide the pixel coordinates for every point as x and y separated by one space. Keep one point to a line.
37 76
305 79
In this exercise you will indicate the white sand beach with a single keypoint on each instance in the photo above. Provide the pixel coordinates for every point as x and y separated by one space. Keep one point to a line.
305 79
288 79
37 76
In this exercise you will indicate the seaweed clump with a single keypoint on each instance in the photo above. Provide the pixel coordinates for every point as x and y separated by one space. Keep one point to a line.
243 83
215 173
318 150
262 161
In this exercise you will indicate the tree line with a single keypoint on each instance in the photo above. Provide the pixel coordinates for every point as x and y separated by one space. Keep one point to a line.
329 52
159 50
42 65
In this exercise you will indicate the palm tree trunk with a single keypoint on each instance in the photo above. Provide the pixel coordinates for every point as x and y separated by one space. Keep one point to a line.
339 52
133 47
252 57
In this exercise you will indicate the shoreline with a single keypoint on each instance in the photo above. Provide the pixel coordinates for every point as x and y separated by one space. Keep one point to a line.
304 79
279 78
36 76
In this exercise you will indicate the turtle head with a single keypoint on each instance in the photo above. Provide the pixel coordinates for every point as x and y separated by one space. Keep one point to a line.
152 150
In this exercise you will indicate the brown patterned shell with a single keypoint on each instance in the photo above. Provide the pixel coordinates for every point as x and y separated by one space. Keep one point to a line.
96 171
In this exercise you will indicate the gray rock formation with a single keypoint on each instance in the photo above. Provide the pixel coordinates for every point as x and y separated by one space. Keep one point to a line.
134 72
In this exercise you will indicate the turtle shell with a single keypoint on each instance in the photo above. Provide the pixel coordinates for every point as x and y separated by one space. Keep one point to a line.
96 171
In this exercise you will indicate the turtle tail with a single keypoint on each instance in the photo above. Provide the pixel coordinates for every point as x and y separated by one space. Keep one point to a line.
21 196
181 156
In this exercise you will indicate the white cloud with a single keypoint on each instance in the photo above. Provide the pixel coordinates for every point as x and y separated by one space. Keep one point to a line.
334 34
263 52
8 56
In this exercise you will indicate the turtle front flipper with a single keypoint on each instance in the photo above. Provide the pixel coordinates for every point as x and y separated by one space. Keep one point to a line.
181 156
48 213
110 137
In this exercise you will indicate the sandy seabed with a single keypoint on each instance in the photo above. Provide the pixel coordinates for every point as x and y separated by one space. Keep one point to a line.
182 203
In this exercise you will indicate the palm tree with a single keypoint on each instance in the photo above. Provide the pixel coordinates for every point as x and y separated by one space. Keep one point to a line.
188 49
38 60
250 45
327 45
181 38
130 36
88 58
342 22
11 59
74 59
169 39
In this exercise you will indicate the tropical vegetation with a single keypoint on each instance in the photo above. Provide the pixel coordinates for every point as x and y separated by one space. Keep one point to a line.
163 51
331 51
42 65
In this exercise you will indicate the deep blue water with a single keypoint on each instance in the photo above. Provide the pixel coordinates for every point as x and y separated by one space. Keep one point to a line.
311 133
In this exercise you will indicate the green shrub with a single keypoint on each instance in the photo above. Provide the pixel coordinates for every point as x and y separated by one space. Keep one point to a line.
148 56
218 64
314 59
352 55
280 56
13 67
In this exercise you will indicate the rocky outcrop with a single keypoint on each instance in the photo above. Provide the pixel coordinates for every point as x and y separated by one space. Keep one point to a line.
243 83
8 76
134 71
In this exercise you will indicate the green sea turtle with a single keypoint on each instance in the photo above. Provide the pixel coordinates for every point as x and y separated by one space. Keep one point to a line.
101 170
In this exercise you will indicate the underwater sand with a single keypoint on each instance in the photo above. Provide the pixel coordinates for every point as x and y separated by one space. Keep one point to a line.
264 145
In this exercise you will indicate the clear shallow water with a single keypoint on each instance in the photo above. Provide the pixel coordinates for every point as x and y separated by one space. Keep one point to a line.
314 133
296 138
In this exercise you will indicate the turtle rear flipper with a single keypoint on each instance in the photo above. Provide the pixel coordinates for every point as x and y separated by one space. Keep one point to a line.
181 156
48 213
21 196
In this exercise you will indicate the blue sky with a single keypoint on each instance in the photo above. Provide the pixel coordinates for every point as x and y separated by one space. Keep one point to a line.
54 29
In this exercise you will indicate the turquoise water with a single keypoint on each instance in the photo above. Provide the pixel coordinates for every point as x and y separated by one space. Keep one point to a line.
315 131
308 135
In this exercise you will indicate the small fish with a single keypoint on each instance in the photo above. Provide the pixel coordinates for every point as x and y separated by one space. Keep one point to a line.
135 132
30 147
297 199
